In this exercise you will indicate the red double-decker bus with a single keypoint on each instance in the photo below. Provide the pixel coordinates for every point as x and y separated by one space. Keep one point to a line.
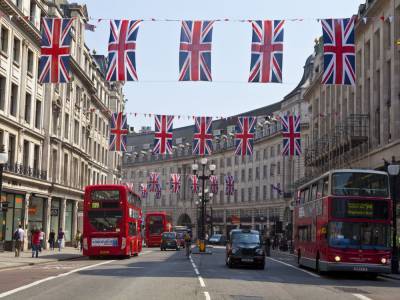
112 218
342 222
155 224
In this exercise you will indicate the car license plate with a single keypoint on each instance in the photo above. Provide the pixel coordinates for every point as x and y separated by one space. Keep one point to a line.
360 269
104 252
247 260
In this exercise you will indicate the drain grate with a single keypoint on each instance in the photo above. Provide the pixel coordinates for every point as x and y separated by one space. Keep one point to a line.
351 290
241 297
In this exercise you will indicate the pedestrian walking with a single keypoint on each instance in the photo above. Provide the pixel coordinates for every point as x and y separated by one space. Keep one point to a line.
77 239
60 238
19 236
267 244
188 244
52 239
81 242
41 238
35 242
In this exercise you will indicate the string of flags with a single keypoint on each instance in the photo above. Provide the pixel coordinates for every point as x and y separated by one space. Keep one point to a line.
153 185
195 50
202 144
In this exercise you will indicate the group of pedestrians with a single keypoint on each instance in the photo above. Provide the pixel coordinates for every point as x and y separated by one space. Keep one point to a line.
37 240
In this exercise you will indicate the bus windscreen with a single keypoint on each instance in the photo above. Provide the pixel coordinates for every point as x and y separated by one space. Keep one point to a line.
360 184
105 221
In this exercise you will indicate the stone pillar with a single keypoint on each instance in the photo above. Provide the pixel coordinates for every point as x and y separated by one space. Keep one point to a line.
47 221
25 225
74 219
62 214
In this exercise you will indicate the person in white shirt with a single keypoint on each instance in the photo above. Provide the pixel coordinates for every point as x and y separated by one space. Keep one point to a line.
19 236
41 238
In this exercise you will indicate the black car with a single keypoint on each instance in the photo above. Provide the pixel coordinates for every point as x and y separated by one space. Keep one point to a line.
169 241
244 247
217 239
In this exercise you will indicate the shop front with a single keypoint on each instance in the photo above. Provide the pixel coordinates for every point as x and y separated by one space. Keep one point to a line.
55 214
12 218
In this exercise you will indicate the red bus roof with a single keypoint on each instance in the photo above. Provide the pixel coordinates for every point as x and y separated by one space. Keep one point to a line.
109 186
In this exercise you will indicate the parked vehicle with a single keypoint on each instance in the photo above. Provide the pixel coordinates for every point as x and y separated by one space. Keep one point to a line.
217 239
169 241
244 247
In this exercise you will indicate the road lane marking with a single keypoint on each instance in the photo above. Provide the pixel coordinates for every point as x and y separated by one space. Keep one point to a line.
32 284
201 280
361 296
291 266
202 284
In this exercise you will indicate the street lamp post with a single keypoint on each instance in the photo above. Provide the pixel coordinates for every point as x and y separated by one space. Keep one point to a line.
394 171
203 177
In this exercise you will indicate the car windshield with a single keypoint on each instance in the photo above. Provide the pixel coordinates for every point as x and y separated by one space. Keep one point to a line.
168 235
105 221
246 238
358 235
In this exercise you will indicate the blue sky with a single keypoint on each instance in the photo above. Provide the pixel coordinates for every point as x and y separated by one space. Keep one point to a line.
158 90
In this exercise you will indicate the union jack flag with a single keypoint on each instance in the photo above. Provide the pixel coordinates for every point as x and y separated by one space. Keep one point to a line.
158 192
277 188
244 135
143 190
122 50
130 186
195 51
175 183
118 132
214 184
153 182
229 185
55 50
194 180
291 135
339 51
163 134
266 51
202 138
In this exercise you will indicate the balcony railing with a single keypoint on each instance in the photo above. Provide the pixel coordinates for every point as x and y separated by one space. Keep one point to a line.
21 169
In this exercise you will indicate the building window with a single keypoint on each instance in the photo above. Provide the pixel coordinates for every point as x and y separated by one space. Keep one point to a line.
54 165
265 153
221 197
278 168
36 153
2 92
65 177
264 192
257 155
243 175
242 195
30 62
272 151
14 99
76 132
250 192
16 50
279 149
229 162
257 193
250 174
38 114
257 173
66 126
222 163
11 148
25 158
28 105
4 40
265 170
272 170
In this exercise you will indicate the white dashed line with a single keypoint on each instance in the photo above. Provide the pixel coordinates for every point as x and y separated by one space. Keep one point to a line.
201 280
24 287
291 266
362 297
207 296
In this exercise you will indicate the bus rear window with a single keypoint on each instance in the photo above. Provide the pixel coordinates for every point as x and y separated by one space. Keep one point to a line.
360 184
105 195
156 225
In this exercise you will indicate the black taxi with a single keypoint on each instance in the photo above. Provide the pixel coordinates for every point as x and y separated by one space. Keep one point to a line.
244 247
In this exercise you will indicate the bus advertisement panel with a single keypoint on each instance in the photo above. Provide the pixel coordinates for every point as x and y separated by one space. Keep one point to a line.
111 221
155 224
342 222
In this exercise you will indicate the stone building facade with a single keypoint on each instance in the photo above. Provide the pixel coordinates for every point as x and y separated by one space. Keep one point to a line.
56 134
255 202
358 126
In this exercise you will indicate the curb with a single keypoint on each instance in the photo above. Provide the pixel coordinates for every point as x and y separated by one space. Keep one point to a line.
39 263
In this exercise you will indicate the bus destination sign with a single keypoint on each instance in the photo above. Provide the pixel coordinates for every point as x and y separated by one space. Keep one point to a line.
360 209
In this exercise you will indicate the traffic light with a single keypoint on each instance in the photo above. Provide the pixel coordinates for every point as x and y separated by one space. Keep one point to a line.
4 206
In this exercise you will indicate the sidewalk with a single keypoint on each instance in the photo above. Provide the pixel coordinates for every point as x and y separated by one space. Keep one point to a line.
8 259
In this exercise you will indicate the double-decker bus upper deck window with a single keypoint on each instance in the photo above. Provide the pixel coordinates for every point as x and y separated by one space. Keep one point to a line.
360 184
105 195
325 189
313 192
307 194
320 189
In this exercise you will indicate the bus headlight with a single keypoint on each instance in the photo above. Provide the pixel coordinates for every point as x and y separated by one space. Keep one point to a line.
337 258
123 243
85 244
383 260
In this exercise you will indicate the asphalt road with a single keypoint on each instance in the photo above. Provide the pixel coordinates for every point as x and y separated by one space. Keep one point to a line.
170 275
